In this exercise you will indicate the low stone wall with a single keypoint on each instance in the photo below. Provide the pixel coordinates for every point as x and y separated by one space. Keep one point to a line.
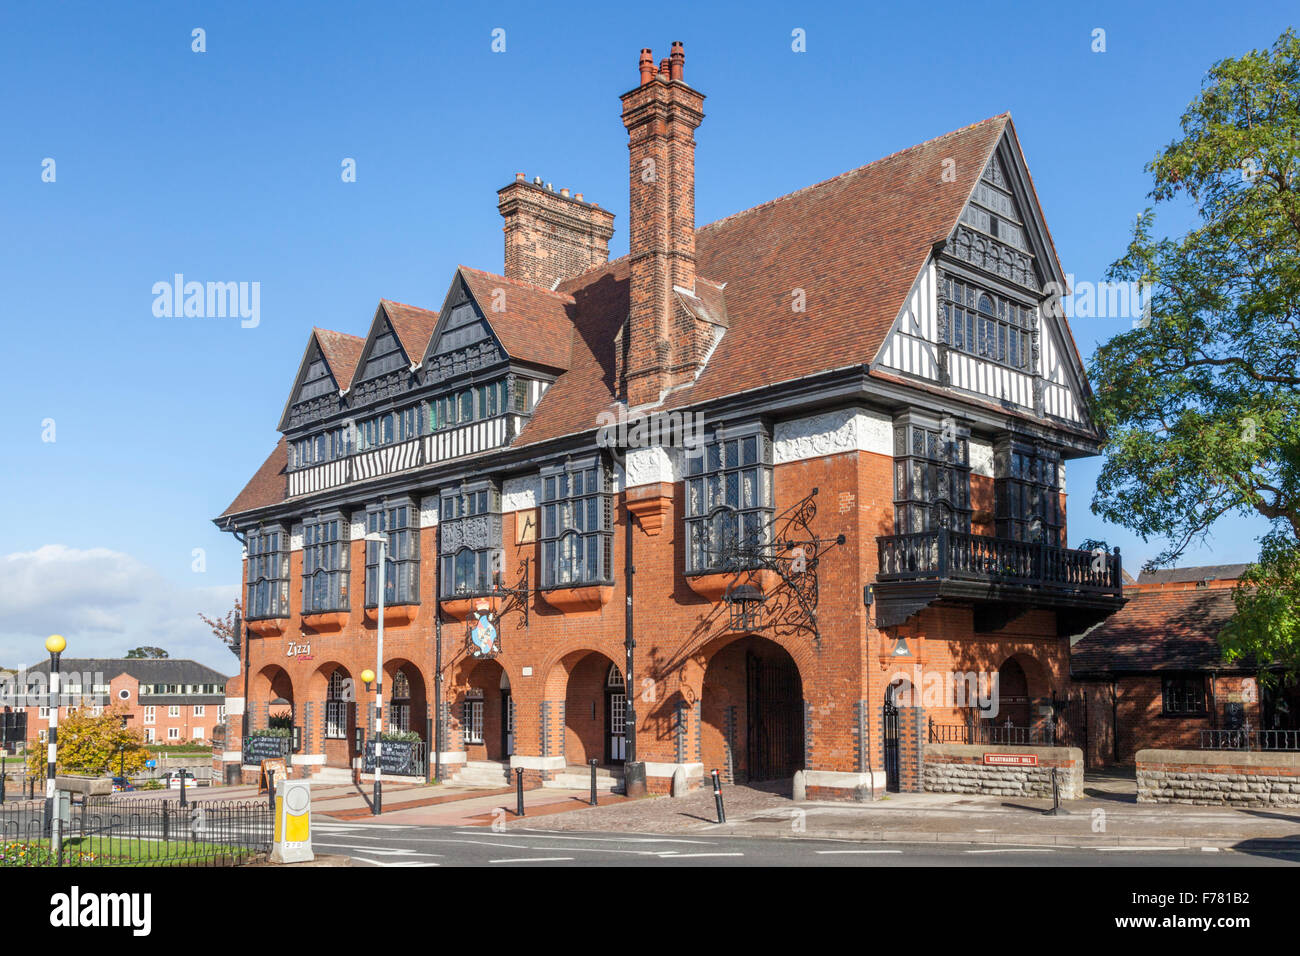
960 768
1219 778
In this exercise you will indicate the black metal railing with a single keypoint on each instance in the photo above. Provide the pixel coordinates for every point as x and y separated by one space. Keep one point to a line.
128 831
1248 739
986 732
957 555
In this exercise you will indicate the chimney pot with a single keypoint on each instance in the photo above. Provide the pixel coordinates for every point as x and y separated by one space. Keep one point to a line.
665 66
519 177
537 180
678 61
578 196
564 191
550 188
647 66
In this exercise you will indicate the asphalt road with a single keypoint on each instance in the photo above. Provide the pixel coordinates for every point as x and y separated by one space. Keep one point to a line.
370 844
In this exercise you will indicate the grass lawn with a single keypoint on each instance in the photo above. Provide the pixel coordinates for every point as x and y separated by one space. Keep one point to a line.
119 851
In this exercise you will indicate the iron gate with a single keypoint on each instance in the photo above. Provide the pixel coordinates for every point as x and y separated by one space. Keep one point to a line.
892 776
775 719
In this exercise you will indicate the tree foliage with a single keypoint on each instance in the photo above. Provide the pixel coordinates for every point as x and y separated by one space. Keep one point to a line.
1201 401
145 653
226 629
93 745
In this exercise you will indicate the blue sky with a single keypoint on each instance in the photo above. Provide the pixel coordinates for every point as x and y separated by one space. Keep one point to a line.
225 166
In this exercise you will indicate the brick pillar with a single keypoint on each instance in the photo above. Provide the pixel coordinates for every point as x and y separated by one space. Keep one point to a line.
912 732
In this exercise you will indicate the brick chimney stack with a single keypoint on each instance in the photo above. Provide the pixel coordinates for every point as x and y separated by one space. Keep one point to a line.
663 344
551 236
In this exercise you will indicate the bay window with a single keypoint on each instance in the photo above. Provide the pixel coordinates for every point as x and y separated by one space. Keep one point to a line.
576 523
471 553
399 521
1027 480
728 499
268 573
931 476
985 324
325 563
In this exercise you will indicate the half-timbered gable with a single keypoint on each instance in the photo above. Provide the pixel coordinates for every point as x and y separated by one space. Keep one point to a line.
981 318
328 360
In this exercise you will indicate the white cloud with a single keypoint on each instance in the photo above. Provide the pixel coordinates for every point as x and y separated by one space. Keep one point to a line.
105 603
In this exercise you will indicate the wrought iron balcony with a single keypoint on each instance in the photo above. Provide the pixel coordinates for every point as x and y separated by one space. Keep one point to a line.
1003 578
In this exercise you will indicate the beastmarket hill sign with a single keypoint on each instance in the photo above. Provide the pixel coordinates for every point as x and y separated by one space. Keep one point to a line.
1011 760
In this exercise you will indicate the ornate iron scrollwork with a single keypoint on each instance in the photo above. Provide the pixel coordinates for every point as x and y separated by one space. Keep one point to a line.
788 548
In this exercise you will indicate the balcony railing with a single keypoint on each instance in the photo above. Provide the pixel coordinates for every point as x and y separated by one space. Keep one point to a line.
1247 739
955 555
988 733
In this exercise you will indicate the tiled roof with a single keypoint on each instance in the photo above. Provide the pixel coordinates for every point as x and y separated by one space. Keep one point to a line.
854 244
1155 631
534 324
341 352
1208 572
148 670
414 326
268 486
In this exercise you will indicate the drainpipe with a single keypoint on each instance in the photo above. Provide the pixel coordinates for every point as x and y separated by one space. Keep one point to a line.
437 652
633 770
242 630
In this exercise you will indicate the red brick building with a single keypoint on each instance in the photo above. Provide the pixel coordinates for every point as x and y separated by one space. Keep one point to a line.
1155 676
169 699
825 435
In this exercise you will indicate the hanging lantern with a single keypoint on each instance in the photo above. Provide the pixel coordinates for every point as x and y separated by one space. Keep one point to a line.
745 603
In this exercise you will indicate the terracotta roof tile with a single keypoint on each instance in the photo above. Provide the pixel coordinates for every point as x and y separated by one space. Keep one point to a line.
535 324
341 351
1157 630
414 326
268 486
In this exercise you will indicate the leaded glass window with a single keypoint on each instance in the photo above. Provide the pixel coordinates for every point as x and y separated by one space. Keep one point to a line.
987 325
931 477
268 573
400 521
728 500
1028 493
470 532
576 523
325 564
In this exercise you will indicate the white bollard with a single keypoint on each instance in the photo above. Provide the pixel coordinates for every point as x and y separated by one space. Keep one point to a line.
292 838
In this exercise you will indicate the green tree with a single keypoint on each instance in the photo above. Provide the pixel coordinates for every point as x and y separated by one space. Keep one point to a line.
93 745
1201 400
141 653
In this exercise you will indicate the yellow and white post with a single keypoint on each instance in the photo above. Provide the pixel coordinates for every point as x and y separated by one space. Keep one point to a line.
292 837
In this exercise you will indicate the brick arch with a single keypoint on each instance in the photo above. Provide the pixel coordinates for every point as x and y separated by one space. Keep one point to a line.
576 681
486 675
417 702
338 751
1021 680
744 736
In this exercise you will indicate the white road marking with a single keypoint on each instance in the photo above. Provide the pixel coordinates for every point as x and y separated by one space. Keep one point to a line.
1044 849
395 863
1137 849
1209 849
674 855
516 831
536 859
841 852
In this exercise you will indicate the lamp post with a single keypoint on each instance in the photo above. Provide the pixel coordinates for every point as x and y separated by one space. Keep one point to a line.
55 644
377 803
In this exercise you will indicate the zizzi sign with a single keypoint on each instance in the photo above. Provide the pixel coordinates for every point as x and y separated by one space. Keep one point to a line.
1011 760
300 651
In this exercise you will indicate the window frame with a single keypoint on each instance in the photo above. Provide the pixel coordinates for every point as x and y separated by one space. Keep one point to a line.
582 489
267 573
931 474
316 549
399 519
471 502
1184 701
986 334
336 706
712 524
1023 495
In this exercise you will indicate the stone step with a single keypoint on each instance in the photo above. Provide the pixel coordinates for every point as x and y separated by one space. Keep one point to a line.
482 773
579 778
331 775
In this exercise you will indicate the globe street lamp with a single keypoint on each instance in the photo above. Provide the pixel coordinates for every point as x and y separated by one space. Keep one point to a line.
55 644
377 804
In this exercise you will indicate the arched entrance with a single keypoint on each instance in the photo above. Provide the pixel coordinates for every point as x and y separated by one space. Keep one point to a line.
900 693
333 692
274 688
752 712
407 707
595 708
487 714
